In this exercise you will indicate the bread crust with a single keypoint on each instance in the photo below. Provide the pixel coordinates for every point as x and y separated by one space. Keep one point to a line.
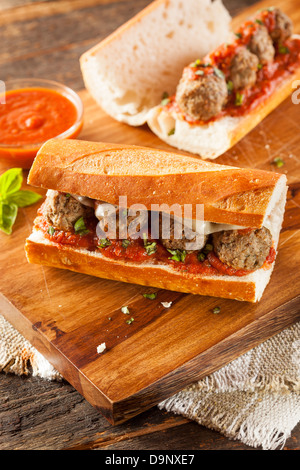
162 277
105 172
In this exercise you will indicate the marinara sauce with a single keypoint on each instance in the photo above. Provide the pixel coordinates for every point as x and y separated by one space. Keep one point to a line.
134 251
31 116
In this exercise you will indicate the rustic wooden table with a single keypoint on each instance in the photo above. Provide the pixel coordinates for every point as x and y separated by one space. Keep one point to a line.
44 39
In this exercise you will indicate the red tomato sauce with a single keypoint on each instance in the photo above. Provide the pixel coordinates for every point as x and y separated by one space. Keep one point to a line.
135 251
33 115
269 76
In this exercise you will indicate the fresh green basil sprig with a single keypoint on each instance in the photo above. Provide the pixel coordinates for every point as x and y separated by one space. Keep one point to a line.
12 197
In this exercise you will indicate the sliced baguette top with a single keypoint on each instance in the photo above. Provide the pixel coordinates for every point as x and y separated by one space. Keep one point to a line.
121 72
148 176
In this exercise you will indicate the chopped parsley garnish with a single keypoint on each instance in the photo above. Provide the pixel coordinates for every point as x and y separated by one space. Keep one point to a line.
278 162
260 66
208 248
150 296
239 98
150 247
196 63
218 72
172 131
51 231
178 255
259 21
238 35
125 243
217 310
80 228
230 86
201 256
283 50
131 320
165 99
104 242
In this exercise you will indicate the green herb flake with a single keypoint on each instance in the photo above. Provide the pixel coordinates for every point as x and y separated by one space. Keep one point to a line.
239 98
150 296
125 243
165 101
104 242
150 247
51 231
125 310
172 131
259 22
131 320
208 248
278 162
80 228
219 73
216 310
196 63
260 66
201 257
238 35
230 86
178 255
283 50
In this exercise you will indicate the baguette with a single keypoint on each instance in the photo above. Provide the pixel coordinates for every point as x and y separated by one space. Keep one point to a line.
232 198
128 72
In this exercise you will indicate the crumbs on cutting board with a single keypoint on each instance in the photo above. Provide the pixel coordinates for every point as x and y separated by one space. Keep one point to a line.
101 348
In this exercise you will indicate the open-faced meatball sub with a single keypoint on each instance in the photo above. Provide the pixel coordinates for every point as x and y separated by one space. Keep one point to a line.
225 94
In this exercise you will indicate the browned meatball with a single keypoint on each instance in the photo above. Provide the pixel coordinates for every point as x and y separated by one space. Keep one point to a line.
283 26
244 69
261 45
62 210
115 222
204 98
243 249
181 238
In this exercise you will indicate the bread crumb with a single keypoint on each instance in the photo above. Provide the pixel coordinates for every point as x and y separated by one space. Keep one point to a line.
166 304
101 348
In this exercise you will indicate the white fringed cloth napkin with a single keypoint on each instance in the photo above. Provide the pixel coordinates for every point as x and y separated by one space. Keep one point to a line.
255 399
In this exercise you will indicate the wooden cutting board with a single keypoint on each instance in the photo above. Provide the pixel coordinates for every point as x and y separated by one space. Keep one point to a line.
67 315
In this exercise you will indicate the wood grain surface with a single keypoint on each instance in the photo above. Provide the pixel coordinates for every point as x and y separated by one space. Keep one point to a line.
135 433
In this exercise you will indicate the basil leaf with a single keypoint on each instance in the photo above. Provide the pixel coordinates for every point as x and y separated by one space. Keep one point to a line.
10 182
8 215
23 198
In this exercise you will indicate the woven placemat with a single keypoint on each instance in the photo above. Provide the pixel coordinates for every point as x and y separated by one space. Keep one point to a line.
255 399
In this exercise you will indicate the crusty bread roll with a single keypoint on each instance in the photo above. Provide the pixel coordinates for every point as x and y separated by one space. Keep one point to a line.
128 72
246 198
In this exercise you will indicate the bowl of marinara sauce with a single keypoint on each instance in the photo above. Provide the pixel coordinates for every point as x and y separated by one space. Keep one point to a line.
33 111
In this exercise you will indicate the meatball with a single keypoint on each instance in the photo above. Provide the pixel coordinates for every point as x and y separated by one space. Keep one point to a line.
261 45
283 27
244 69
243 249
116 223
181 238
62 210
204 98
